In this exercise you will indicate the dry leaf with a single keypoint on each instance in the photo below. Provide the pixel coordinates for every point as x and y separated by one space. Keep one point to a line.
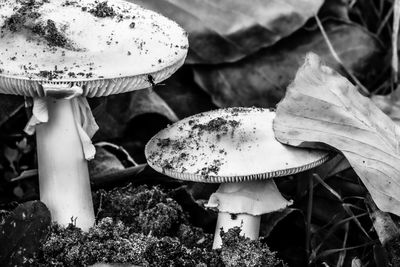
390 104
322 107
261 79
118 110
226 31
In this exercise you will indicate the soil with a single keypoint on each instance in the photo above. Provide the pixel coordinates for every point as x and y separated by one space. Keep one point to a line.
102 10
219 127
145 227
26 18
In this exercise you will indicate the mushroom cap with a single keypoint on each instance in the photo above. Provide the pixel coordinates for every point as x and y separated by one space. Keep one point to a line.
227 145
106 47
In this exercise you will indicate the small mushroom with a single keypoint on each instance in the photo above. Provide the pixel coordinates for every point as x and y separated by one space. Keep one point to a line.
237 148
60 52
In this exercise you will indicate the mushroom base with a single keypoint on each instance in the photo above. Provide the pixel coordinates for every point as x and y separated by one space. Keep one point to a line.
249 224
63 172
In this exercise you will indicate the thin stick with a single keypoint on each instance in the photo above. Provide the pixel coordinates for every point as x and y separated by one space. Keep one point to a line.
337 58
342 254
384 21
98 180
309 213
395 32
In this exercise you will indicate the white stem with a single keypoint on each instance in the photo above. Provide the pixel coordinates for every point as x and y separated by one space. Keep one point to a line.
242 204
63 171
249 224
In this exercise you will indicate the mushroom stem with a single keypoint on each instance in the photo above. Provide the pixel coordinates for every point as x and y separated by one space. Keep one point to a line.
63 172
249 225
242 204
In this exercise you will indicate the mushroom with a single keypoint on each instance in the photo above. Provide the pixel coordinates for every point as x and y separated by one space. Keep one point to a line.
60 52
237 148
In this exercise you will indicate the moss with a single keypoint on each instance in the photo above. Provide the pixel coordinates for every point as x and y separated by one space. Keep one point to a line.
170 252
109 241
144 210
238 250
191 237
149 229
160 220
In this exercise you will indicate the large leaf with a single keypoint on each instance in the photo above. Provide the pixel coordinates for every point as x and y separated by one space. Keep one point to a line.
225 31
321 106
390 104
261 79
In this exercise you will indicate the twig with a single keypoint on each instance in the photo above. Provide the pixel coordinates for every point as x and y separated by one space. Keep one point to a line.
384 21
395 32
97 180
116 176
309 213
337 58
342 254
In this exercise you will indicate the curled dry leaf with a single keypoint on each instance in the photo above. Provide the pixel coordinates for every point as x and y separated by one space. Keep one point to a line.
322 107
261 79
389 104
226 31
118 110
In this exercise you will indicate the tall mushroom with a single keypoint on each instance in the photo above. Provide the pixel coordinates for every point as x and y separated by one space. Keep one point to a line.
237 148
59 52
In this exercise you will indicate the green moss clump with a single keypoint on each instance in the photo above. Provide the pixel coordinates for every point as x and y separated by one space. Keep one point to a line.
238 250
144 210
170 252
148 229
160 220
191 237
112 242
109 241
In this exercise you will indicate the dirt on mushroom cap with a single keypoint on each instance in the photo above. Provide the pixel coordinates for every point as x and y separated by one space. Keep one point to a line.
230 144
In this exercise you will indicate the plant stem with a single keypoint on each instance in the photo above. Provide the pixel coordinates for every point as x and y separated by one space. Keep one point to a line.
309 214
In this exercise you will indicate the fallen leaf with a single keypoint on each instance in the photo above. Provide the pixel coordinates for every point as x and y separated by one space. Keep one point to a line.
261 79
335 8
226 31
114 115
389 104
183 95
322 107
104 162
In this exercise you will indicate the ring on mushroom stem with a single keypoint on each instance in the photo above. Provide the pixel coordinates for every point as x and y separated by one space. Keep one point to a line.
60 52
237 148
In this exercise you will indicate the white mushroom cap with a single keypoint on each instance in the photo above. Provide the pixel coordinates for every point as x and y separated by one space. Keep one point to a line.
227 145
122 49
